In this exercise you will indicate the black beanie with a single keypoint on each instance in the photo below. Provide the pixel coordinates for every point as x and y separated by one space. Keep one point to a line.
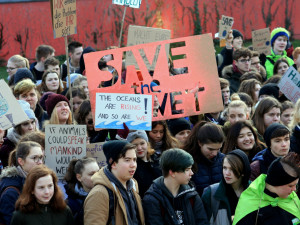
177 125
236 34
269 131
112 150
23 73
277 176
270 90
247 169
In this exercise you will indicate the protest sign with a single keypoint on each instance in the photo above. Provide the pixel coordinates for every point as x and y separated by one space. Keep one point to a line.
112 110
289 84
11 113
225 25
195 91
64 19
261 41
130 3
142 35
95 151
63 143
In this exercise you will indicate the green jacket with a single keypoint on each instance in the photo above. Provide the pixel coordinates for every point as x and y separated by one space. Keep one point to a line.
271 59
254 198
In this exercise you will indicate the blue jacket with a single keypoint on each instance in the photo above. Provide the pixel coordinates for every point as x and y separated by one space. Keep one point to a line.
209 172
9 177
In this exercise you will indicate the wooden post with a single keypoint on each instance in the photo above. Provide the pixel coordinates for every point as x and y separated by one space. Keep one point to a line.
122 23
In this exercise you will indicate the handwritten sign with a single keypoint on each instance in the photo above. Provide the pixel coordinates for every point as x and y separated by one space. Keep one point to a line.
225 26
142 35
261 41
63 143
95 151
130 3
194 92
11 113
112 110
64 19
289 84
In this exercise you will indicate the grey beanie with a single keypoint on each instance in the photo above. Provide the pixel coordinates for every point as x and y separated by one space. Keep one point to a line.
137 134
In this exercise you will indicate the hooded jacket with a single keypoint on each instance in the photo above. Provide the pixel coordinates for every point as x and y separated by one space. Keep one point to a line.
271 60
96 205
10 177
159 205
232 74
272 210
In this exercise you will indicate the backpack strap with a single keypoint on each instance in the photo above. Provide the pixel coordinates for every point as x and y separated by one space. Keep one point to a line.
214 203
10 187
271 60
111 216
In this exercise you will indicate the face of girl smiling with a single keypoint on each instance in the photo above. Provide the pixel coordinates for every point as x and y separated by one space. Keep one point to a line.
245 140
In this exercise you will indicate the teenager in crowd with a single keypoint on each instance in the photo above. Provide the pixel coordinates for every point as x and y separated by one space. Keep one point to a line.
287 113
169 199
296 57
281 66
220 199
28 155
58 109
255 64
14 134
180 129
204 144
114 198
242 135
295 127
271 198
13 64
41 200
50 82
26 90
251 87
267 112
277 138
79 184
147 165
161 138
81 82
78 97
225 90
279 38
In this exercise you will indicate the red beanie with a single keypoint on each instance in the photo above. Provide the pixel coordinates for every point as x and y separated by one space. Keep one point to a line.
52 100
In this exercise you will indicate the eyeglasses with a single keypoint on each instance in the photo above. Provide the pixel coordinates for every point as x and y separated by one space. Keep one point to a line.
245 60
10 68
90 122
38 158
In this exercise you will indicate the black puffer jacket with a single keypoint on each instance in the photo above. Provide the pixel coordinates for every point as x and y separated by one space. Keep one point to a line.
159 203
295 140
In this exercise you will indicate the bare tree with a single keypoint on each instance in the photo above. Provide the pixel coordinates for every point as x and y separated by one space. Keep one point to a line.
269 16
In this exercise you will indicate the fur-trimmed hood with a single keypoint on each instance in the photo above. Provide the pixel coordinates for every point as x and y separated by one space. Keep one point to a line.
10 177
227 71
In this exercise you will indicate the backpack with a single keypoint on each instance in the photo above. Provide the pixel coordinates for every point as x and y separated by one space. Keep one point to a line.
111 216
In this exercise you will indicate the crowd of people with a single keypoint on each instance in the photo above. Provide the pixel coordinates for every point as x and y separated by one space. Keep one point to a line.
235 166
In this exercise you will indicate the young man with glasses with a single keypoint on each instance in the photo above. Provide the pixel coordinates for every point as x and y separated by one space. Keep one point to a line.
241 64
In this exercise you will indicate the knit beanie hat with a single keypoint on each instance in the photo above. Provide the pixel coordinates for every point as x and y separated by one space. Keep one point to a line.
277 176
112 149
269 131
270 89
26 107
52 100
44 98
236 34
137 134
247 169
23 73
279 31
177 125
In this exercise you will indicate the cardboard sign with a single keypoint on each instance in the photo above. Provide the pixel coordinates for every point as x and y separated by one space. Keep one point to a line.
289 84
130 3
142 35
11 113
64 19
225 25
63 143
194 92
261 41
95 151
112 110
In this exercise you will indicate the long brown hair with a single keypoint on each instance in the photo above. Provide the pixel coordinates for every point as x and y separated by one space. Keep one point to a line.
27 202
42 88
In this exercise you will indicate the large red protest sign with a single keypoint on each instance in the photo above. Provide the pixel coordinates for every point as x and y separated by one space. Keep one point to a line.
194 92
